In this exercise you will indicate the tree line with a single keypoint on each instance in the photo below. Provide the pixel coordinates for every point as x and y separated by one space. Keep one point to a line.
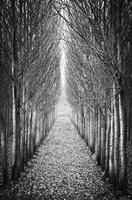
29 80
99 80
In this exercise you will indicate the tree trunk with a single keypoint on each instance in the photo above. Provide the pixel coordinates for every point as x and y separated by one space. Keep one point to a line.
116 140
16 167
123 156
3 151
108 131
99 140
103 134
111 164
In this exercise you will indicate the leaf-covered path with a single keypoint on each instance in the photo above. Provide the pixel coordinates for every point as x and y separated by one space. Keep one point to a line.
63 168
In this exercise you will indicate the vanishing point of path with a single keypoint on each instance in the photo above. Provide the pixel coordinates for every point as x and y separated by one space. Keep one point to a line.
63 168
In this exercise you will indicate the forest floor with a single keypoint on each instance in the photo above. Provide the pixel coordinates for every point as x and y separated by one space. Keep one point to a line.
62 168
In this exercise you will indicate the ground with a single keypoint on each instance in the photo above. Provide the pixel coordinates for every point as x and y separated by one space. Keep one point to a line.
63 168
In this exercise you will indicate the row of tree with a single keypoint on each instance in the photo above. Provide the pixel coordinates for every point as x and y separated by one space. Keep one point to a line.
99 79
29 80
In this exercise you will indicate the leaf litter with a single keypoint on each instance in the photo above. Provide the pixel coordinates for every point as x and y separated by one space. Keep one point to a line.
63 169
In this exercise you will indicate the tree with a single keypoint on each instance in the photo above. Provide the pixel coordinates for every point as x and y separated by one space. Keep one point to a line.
34 79
97 49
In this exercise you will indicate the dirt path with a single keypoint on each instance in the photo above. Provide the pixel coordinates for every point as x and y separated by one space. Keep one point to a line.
62 169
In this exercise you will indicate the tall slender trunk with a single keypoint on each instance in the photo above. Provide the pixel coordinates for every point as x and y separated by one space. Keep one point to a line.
123 156
3 150
30 135
108 131
111 164
116 140
92 131
16 98
129 117
96 133
103 134
13 116
82 121
99 139
86 129
77 119
89 118
16 167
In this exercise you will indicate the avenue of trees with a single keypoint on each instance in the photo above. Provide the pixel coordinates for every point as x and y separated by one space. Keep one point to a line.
99 80
29 80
